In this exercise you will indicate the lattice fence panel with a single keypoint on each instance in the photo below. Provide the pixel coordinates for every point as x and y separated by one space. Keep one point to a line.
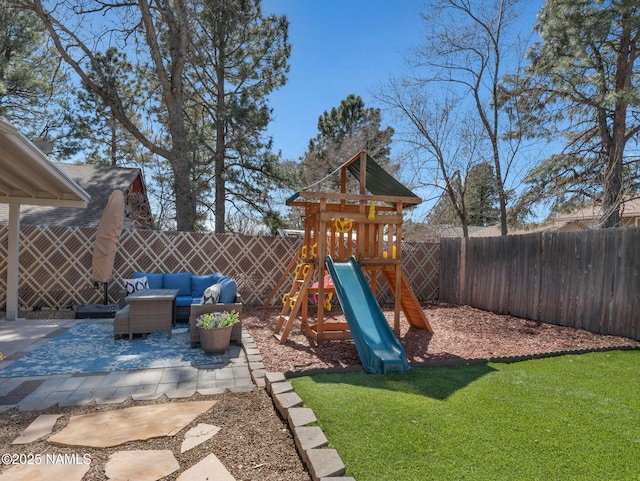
255 262
54 266
420 262
55 263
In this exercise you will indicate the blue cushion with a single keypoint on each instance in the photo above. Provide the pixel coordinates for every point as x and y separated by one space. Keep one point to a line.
228 291
182 301
154 280
200 283
180 281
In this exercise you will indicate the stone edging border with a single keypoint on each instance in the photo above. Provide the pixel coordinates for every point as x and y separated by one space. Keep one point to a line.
322 463
325 464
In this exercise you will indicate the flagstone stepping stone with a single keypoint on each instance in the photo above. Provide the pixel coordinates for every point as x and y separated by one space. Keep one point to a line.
45 471
210 468
42 426
141 465
139 423
198 435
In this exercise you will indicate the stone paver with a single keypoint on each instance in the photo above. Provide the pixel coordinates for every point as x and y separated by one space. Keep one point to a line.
210 468
281 387
309 437
40 427
273 377
198 435
139 423
324 463
286 401
45 471
141 465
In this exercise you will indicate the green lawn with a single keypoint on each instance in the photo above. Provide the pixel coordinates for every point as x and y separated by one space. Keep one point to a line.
574 417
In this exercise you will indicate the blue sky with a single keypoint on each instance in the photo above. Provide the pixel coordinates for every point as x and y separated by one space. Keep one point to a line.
342 47
339 47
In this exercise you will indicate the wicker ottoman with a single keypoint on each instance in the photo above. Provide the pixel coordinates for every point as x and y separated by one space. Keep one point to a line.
149 310
121 323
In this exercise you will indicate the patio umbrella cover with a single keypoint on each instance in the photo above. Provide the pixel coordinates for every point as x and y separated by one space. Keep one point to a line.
107 238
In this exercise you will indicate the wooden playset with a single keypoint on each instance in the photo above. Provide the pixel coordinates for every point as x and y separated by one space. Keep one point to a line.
365 226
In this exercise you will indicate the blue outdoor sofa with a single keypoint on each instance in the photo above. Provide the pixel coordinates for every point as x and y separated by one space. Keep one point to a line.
190 297
191 288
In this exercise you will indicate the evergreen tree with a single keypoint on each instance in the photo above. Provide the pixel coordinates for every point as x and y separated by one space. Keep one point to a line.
342 133
106 142
239 57
33 86
480 200
582 83
205 67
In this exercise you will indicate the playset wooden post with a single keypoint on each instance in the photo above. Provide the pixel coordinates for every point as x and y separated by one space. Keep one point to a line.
342 225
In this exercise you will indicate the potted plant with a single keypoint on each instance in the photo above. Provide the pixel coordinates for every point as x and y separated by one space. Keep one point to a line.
214 329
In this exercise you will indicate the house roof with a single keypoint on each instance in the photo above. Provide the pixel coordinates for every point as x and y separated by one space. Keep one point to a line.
99 182
628 208
416 232
562 226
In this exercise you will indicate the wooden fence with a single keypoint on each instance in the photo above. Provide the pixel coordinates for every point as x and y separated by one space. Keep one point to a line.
55 263
588 279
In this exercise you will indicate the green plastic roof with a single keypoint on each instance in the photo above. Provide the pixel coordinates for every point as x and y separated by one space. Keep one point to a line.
379 181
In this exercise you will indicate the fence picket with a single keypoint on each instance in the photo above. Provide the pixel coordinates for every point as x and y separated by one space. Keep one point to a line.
588 279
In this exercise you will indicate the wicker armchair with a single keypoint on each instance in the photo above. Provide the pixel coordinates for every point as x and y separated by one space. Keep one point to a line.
198 309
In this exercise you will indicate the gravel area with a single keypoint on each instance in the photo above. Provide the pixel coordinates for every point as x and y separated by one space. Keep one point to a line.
255 444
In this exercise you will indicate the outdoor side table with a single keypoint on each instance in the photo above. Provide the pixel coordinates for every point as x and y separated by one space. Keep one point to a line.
152 310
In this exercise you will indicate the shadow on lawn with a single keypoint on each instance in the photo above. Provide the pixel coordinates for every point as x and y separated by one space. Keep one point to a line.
433 382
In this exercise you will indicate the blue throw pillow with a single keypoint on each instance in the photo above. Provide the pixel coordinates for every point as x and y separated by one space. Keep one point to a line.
228 291
218 278
154 280
180 281
200 283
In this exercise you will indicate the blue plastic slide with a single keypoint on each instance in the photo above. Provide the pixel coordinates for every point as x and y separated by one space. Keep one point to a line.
379 349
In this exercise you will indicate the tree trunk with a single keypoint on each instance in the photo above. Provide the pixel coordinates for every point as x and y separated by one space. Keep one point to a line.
220 153
612 192
612 197
220 193
114 141
170 76
185 200
615 146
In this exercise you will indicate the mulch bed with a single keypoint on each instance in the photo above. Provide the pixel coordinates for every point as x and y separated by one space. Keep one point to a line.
461 333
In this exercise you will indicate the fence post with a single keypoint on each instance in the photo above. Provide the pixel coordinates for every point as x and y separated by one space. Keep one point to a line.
462 299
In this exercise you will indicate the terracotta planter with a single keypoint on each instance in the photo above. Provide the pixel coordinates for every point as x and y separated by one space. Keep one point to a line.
215 341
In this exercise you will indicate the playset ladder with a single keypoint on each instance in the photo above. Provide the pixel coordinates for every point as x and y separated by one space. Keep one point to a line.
408 301
283 278
293 301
